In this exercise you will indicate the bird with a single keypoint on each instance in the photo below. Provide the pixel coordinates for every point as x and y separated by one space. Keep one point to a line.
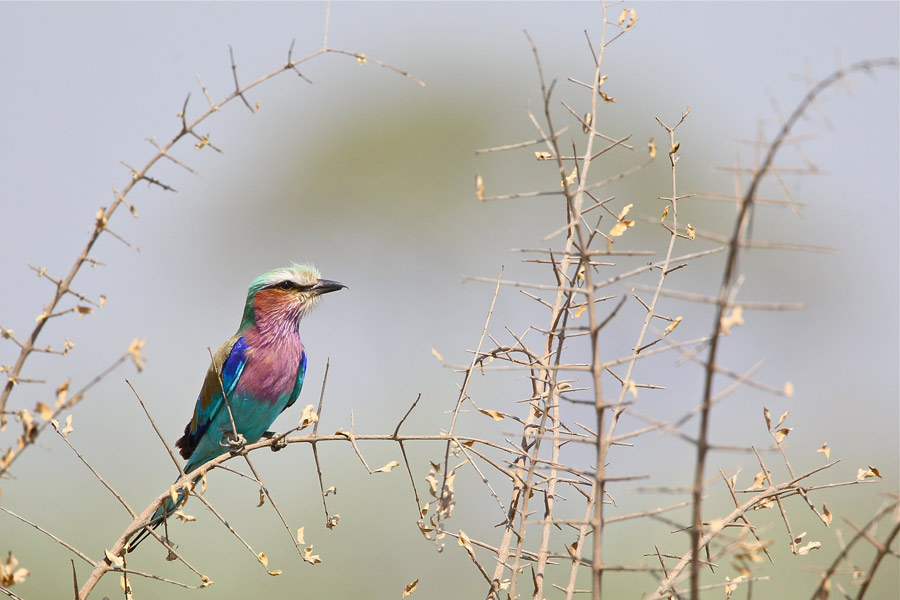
260 369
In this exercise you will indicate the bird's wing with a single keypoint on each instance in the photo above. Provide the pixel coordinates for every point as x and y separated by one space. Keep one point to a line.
301 375
228 362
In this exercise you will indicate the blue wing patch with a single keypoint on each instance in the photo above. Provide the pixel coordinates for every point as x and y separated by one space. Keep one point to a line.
234 365
210 399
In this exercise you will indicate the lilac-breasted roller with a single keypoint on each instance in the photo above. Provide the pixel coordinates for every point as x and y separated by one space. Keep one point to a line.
260 369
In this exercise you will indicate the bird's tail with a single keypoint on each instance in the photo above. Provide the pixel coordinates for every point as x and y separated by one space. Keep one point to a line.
159 517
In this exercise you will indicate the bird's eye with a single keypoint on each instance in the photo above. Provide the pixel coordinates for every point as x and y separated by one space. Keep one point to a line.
285 285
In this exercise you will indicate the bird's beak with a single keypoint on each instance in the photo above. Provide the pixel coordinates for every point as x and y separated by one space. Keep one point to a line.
324 286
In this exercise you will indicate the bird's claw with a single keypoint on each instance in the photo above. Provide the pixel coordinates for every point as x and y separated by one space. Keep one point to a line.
234 443
279 444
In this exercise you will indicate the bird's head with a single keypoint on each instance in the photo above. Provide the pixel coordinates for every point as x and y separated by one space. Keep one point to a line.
285 294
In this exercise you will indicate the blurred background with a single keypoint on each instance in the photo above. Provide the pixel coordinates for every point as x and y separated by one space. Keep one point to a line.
371 177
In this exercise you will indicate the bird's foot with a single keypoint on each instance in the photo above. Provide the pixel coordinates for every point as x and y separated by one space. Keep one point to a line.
234 443
279 444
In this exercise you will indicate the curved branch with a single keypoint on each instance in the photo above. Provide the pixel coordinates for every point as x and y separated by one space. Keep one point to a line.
728 277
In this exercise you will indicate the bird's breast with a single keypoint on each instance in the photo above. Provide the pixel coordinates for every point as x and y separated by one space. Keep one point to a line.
271 370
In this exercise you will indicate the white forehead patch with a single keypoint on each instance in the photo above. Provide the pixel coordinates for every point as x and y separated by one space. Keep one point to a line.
300 274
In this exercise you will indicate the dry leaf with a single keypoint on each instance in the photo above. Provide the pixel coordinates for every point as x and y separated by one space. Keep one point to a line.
825 450
674 148
569 179
6 459
732 319
782 433
263 559
387 468
308 416
672 325
788 389
361 59
425 530
330 490
665 214
184 518
68 428
274 573
867 473
768 417
262 498
809 547
606 97
300 534
116 561
495 415
632 18
464 541
782 418
173 494
759 482
134 350
62 392
580 310
409 588
691 232
84 310
624 211
652 146
620 227
205 581
311 558
766 503
332 521
732 585
543 155
43 411
826 515
479 186
437 355
586 124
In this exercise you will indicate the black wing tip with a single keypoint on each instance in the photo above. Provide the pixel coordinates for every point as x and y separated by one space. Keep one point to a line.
184 443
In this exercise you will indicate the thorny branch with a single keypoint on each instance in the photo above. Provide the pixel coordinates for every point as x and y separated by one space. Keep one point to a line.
727 280
63 286
532 459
